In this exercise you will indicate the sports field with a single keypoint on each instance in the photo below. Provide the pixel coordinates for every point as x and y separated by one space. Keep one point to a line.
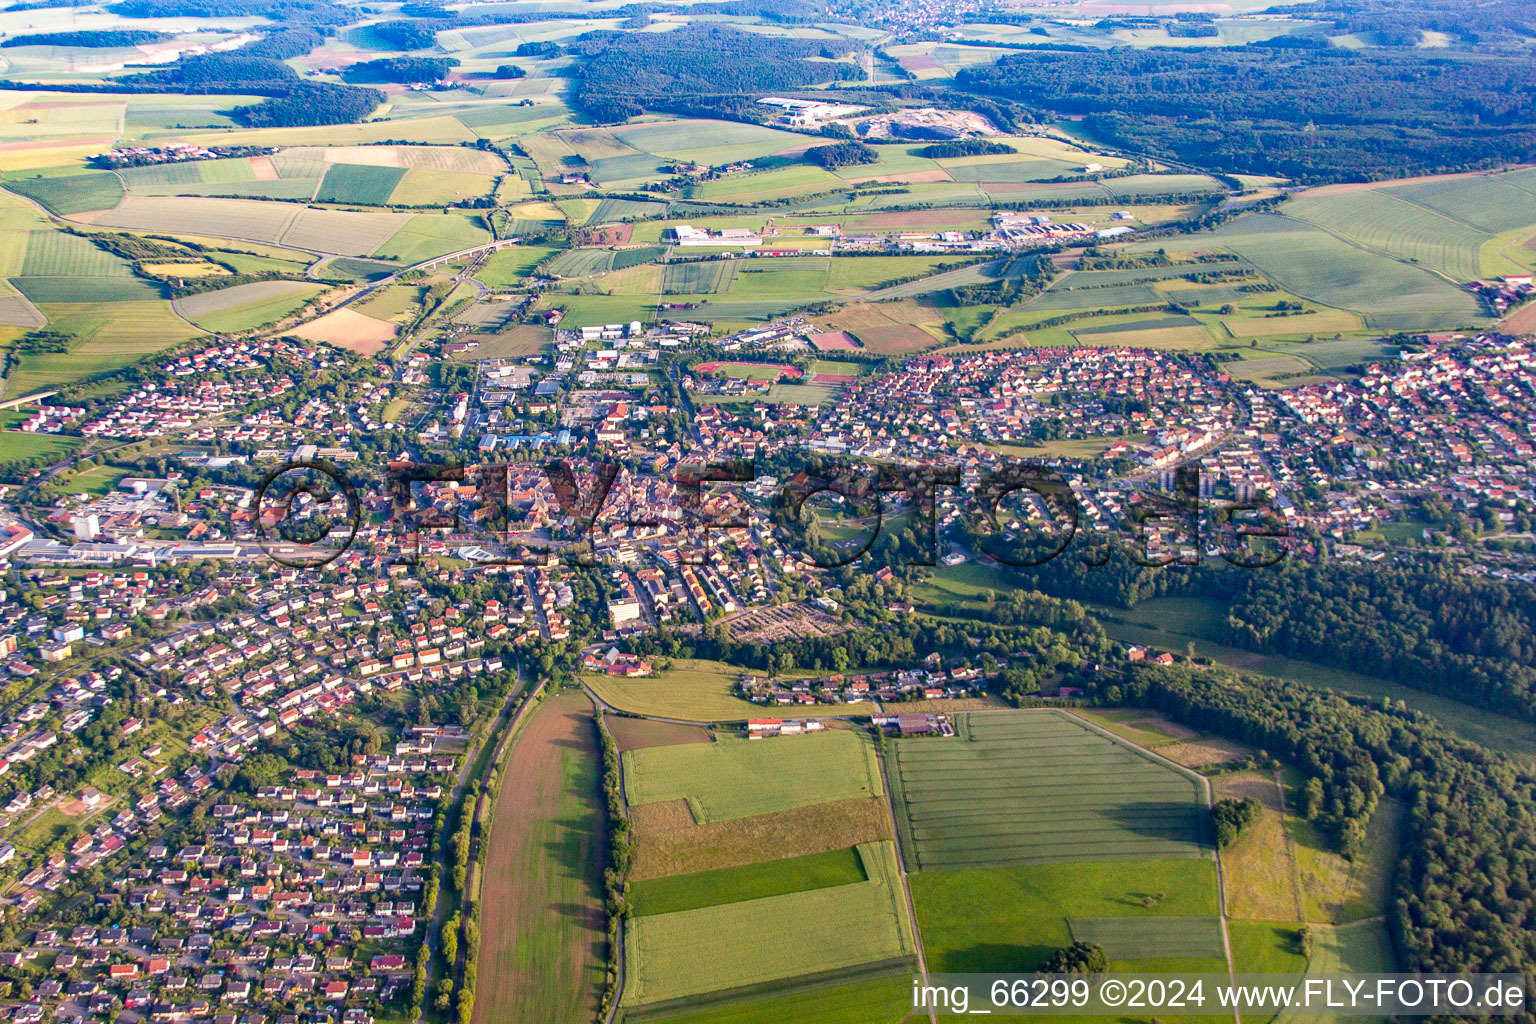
735 777
1033 787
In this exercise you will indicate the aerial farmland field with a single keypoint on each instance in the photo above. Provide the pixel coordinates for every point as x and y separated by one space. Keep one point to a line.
109 335
71 193
810 932
700 691
1035 787
431 234
363 184
245 306
1381 221
543 949
736 778
244 219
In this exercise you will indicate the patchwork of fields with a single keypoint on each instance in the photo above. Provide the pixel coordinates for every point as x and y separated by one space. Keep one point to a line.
780 845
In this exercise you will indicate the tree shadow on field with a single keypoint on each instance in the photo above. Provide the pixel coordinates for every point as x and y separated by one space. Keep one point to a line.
1169 820
994 957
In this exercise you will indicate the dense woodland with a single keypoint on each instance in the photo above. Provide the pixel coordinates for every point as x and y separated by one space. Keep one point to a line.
288 13
1309 114
97 38
1465 891
963 147
1428 627
841 154
1469 639
401 69
1392 23
699 70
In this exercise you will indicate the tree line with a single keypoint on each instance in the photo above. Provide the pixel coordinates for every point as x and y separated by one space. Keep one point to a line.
1464 894
1311 115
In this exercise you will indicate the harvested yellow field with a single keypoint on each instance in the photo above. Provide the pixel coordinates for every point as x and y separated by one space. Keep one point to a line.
457 159
349 329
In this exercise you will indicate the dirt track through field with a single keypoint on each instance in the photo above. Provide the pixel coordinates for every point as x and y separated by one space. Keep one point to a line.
543 927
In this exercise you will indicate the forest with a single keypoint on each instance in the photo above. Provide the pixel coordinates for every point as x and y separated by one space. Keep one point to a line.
1387 23
1465 887
963 147
401 69
698 70
91 38
1428 627
290 13
1315 115
841 154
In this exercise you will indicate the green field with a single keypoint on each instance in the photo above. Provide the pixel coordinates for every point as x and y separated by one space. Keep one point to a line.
425 187
699 691
1380 221
246 306
432 234
1359 948
363 184
778 184
770 939
1146 938
1175 621
1309 262
72 193
16 444
60 254
506 268
1033 787
109 335
707 278
582 262
735 777
1013 919
885 1000
85 289
748 882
